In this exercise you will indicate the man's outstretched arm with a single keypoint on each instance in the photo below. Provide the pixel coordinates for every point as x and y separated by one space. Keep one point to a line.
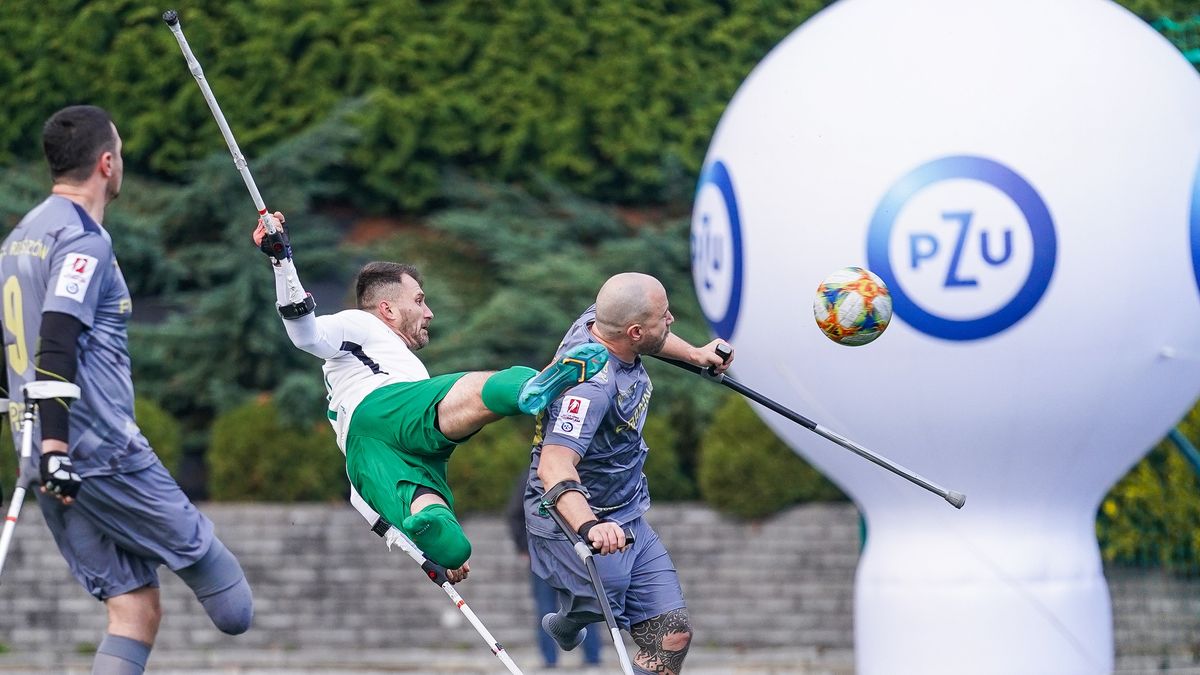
320 337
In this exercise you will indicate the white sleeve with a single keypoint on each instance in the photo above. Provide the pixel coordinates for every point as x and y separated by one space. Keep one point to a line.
282 297
320 336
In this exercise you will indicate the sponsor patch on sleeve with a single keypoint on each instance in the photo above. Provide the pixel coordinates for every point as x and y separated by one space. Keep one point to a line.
570 416
76 273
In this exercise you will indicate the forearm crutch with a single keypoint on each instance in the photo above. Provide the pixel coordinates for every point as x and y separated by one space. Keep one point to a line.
584 551
34 392
956 499
295 294
433 571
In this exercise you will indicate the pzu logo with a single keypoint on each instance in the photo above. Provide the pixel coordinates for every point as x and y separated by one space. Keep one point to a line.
717 249
966 246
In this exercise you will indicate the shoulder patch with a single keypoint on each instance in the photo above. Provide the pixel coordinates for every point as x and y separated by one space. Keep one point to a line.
75 276
571 416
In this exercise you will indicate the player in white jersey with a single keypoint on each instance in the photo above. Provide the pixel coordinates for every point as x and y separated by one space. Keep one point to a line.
396 425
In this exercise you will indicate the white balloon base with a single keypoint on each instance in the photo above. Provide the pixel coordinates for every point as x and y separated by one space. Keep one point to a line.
977 617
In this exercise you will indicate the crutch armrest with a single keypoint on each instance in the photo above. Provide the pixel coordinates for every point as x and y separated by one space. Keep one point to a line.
42 390
552 495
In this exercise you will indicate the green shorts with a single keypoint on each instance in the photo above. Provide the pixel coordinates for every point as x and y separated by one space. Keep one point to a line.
393 445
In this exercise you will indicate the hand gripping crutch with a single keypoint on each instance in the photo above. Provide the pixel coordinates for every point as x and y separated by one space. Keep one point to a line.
585 552
34 392
956 499
435 572
295 294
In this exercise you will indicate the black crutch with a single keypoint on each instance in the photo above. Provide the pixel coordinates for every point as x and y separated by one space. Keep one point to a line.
584 551
956 499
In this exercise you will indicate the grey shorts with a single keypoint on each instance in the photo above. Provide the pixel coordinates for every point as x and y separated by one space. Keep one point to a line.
640 583
122 527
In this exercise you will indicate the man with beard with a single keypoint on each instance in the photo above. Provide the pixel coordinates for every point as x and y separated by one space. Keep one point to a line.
396 425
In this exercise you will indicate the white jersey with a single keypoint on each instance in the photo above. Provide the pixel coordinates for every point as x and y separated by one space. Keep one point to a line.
369 356
361 355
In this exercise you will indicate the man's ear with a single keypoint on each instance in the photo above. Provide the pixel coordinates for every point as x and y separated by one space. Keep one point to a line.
105 164
634 331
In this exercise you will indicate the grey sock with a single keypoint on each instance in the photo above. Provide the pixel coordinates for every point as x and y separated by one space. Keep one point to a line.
565 632
118 655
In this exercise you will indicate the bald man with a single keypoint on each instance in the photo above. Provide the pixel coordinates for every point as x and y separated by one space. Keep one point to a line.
589 445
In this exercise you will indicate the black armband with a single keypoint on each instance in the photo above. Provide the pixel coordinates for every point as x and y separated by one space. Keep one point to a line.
587 527
57 359
298 309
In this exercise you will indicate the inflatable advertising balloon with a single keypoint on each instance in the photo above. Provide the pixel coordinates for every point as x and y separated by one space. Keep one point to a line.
1021 176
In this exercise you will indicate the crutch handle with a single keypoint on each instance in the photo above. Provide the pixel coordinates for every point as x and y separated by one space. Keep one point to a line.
435 572
725 353
630 537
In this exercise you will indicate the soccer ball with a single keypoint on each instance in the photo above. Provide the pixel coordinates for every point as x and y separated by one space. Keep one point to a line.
852 306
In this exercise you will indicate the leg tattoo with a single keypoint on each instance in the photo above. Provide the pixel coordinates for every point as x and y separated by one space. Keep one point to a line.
663 642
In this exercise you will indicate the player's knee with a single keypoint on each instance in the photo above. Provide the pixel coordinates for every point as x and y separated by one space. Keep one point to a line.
231 610
220 585
677 641
438 534
665 638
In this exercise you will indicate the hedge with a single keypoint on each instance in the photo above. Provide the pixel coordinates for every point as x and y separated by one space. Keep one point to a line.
254 456
616 100
746 471
483 471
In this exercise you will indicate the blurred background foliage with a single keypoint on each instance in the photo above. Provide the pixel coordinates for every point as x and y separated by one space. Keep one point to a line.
518 153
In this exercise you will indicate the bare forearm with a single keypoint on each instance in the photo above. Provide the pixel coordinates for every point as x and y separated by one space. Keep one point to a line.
558 465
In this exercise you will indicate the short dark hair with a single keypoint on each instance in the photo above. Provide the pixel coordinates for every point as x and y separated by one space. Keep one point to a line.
74 138
375 275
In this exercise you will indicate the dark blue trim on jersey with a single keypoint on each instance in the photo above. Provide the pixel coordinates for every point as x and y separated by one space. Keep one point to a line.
357 351
89 225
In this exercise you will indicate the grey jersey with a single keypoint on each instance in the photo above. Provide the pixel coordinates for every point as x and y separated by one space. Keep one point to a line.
60 260
601 420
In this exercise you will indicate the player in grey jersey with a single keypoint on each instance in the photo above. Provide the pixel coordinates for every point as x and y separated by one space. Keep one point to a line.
114 510
589 450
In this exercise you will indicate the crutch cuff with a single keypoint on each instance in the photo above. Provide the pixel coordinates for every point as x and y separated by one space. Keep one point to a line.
553 494
41 390
298 309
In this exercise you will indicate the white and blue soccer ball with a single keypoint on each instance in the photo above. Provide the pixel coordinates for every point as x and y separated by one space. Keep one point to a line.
852 306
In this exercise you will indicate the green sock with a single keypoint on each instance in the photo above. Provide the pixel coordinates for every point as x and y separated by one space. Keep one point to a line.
501 390
437 532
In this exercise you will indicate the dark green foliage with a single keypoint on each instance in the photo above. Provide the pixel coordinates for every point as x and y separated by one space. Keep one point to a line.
617 101
483 470
161 430
664 474
746 471
1152 516
254 456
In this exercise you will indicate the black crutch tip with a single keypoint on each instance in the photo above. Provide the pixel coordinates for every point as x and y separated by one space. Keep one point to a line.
171 17
956 499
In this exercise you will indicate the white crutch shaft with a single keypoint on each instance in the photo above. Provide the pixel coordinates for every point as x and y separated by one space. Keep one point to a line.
239 161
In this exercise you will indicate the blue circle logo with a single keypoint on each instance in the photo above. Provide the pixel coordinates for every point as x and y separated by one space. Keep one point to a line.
717 249
966 246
